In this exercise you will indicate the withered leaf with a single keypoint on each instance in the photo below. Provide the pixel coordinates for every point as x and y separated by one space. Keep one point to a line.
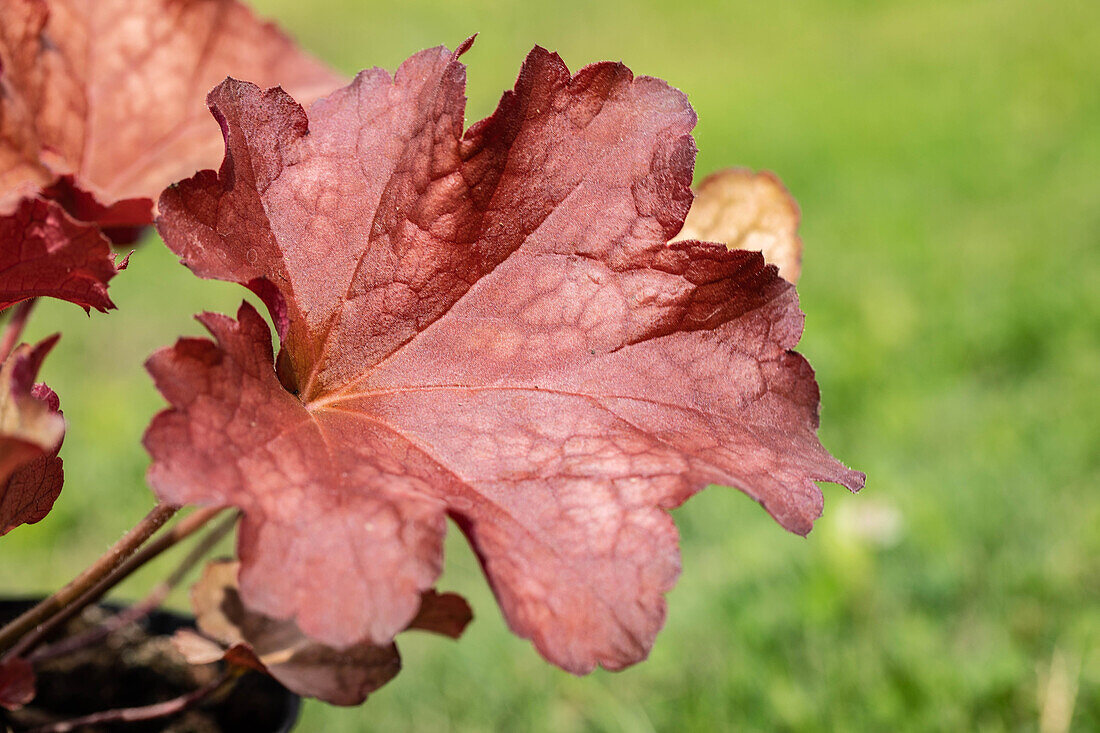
278 647
16 683
489 325
199 649
748 210
101 108
31 431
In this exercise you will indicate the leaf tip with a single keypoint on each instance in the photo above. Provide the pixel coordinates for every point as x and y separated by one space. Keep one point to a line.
853 480
464 46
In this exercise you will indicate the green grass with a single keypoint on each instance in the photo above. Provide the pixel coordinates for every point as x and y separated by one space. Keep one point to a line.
946 155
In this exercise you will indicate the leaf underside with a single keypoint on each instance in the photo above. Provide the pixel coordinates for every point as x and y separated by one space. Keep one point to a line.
490 325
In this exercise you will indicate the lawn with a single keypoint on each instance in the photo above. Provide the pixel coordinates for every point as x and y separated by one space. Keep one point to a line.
946 156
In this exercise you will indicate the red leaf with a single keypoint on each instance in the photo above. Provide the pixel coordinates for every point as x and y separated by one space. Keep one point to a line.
16 683
31 431
447 614
47 252
102 139
491 326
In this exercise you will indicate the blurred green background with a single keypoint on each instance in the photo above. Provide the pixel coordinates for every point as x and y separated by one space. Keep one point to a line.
946 155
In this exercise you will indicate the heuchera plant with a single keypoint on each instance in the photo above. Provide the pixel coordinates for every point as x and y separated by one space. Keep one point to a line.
510 325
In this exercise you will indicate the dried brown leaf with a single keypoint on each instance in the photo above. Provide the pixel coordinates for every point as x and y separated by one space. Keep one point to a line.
340 677
747 210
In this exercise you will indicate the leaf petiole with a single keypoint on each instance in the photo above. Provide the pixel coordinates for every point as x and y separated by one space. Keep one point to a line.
138 610
103 566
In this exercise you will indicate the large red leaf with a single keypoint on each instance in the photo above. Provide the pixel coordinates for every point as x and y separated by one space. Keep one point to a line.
491 326
31 431
101 106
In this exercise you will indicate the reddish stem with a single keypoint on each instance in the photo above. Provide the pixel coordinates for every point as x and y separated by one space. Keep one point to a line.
145 712
139 610
183 529
97 571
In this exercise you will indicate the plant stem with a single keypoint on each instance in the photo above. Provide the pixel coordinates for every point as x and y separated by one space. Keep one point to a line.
146 712
183 529
133 613
97 571
15 326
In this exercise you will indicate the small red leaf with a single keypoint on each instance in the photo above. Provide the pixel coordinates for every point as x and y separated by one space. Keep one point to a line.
442 613
47 252
489 325
16 683
31 431
102 139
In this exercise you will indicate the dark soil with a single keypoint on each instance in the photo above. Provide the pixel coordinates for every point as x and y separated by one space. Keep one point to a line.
139 666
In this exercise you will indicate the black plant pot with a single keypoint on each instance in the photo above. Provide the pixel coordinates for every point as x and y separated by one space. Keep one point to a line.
112 676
